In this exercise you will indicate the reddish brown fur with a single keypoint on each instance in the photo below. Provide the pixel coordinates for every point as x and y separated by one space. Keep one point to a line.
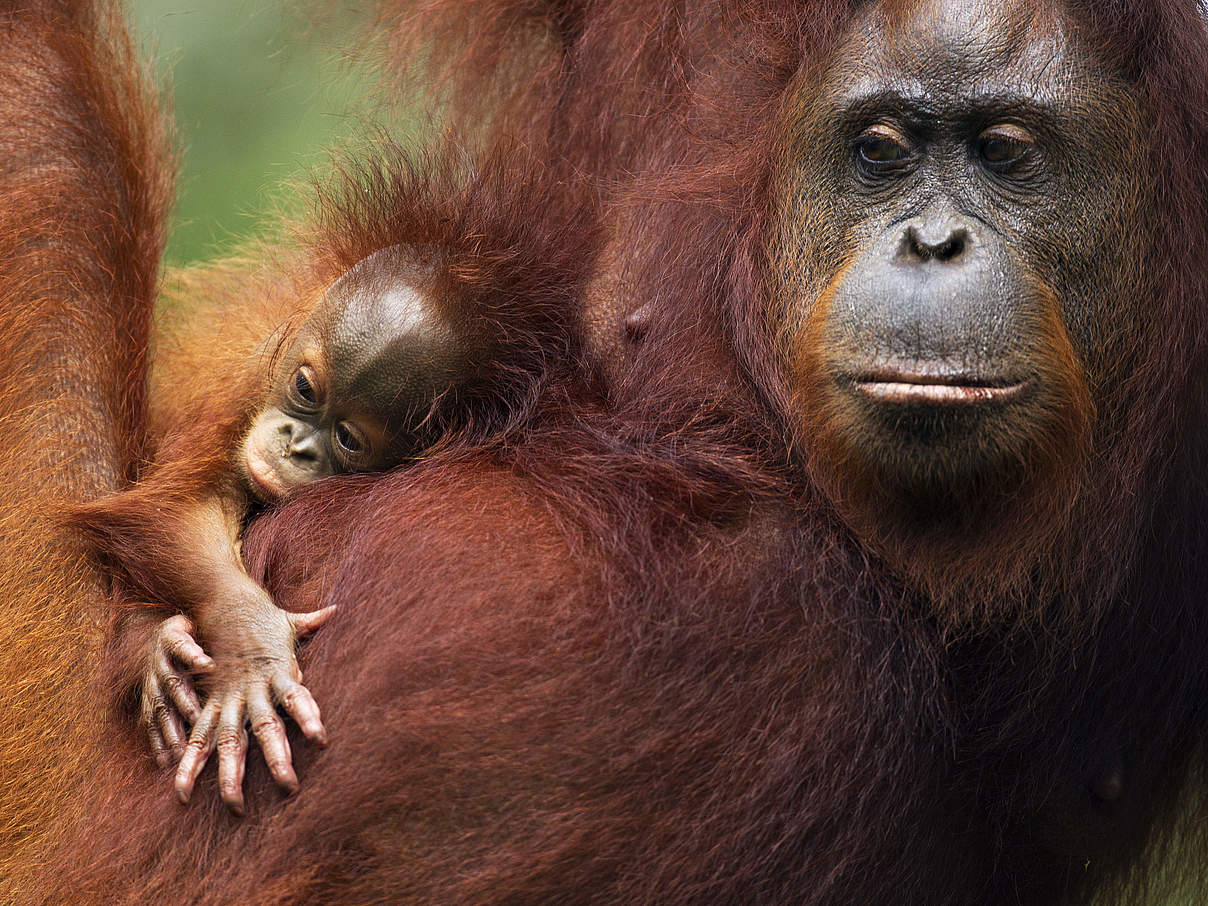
631 654
83 185
491 277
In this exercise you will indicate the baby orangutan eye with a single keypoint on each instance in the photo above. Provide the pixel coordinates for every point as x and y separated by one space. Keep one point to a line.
349 439
304 386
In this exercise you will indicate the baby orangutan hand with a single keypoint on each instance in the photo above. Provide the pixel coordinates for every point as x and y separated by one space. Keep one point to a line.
252 670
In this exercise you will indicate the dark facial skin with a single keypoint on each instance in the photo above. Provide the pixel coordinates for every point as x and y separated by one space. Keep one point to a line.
963 209
365 366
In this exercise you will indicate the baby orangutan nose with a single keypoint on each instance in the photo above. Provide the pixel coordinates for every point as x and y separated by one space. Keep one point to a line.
303 444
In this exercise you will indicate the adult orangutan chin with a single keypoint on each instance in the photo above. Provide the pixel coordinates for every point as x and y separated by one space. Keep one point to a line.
870 571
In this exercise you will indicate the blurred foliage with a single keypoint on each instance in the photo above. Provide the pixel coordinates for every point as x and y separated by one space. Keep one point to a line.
259 93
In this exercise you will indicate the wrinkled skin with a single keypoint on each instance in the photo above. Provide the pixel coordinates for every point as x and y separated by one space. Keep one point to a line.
954 295
597 669
363 370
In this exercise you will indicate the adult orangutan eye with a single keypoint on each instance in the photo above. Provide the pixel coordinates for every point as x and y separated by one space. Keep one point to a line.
1005 147
304 389
349 439
882 149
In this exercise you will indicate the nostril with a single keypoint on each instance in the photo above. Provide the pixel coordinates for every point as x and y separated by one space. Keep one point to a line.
943 244
952 246
303 446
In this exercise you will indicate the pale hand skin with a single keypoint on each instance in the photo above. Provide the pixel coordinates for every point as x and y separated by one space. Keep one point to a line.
169 700
244 689
249 667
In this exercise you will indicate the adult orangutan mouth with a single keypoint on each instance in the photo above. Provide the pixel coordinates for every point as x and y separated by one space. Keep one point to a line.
935 388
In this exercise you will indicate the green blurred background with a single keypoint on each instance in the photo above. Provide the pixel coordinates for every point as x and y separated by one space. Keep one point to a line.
259 94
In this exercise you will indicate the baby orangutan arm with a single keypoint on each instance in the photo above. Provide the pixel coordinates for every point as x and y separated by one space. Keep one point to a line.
173 539
343 395
250 642
410 345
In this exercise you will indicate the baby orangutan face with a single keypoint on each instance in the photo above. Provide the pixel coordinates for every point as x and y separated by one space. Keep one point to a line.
308 431
353 388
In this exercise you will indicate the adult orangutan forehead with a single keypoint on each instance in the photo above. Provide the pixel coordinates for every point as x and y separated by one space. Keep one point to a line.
979 47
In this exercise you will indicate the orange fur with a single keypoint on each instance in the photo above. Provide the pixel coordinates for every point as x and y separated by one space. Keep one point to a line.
84 178
617 644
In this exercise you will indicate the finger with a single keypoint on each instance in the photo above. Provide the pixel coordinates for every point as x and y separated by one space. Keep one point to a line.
306 623
184 696
178 637
232 754
158 715
178 688
178 623
300 705
197 751
184 648
269 731
171 728
159 750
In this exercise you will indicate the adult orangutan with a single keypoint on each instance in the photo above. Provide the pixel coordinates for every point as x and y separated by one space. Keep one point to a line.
872 574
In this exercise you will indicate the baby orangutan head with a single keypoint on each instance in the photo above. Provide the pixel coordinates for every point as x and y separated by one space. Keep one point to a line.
352 389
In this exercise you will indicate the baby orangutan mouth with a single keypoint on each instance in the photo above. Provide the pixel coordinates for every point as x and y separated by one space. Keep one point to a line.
265 483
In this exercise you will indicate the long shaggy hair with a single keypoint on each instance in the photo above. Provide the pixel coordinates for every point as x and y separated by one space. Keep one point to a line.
626 650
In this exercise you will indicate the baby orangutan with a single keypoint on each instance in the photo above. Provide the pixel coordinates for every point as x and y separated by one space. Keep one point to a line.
443 335
348 393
